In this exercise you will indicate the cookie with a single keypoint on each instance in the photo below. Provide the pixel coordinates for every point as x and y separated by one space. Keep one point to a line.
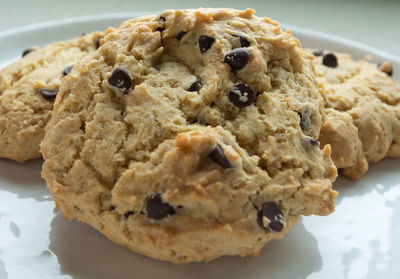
27 91
362 111
190 135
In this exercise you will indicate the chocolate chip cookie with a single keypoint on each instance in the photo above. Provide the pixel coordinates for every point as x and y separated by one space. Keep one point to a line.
28 88
362 111
190 135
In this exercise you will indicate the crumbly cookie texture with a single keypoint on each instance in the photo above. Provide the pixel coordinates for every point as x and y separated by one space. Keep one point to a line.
190 135
362 104
27 91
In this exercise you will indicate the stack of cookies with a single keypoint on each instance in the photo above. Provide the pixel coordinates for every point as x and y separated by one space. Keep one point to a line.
194 134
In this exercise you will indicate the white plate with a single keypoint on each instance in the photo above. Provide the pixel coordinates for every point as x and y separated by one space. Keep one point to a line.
360 240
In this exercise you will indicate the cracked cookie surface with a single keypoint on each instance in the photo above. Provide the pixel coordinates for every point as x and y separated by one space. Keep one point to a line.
27 91
190 135
362 104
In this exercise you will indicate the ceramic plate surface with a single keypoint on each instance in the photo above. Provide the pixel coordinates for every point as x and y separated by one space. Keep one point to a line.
361 239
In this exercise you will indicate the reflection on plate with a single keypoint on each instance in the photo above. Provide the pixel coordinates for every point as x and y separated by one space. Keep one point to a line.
360 240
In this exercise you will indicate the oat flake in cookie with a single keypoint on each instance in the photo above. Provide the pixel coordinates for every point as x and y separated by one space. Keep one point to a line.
362 104
28 88
174 167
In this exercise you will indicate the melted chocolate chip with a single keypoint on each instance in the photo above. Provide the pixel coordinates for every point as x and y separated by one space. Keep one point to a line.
218 156
195 86
237 58
318 52
121 79
330 60
180 35
27 51
67 70
205 42
49 94
157 209
271 217
243 40
129 213
242 95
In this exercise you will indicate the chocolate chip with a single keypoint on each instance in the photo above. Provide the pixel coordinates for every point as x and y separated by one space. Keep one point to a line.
313 142
195 86
218 156
386 67
180 35
67 70
271 217
49 94
318 52
27 51
157 209
237 58
309 142
129 213
97 43
330 60
205 42
242 95
161 21
243 40
120 78
306 117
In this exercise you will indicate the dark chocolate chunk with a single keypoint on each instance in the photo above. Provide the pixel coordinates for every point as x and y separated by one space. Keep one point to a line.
27 51
205 42
129 213
180 35
241 95
237 58
195 86
49 94
120 78
319 52
271 217
330 60
218 156
157 209
243 40
67 70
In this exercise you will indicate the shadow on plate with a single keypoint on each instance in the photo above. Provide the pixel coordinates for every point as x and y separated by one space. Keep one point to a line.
83 252
23 179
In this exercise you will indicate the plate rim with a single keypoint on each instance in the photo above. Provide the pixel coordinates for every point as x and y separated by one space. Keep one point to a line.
297 30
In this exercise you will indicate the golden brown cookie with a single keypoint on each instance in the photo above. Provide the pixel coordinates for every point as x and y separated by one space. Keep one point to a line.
190 135
362 111
27 91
